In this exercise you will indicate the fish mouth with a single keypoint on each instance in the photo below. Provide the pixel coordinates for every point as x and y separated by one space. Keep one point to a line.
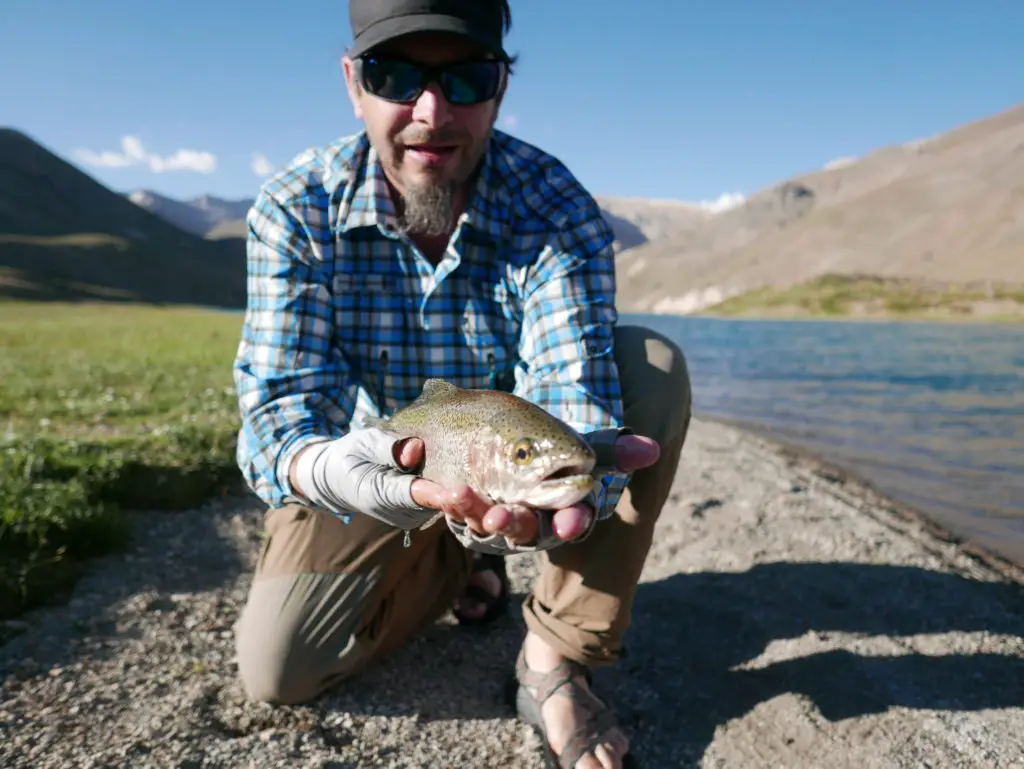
572 472
565 486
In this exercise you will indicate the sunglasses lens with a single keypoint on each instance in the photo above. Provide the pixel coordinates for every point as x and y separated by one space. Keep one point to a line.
392 80
472 82
400 81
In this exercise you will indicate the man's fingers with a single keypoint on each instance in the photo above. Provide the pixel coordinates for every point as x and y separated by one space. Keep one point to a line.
521 525
408 453
429 494
499 520
571 521
635 452
460 503
518 524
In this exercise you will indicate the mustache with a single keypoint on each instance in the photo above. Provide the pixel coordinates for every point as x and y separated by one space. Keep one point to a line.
450 135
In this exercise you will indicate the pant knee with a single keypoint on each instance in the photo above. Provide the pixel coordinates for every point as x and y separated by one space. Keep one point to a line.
655 378
274 667
275 684
296 635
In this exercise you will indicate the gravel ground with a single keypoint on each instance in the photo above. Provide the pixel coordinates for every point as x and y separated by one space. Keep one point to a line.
786 617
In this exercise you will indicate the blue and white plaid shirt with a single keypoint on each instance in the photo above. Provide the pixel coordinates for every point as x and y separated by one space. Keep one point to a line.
346 318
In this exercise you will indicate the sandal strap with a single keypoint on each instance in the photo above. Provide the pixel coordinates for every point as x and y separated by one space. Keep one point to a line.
548 682
600 718
587 736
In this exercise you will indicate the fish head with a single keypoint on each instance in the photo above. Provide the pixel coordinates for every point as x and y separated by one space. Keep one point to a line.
532 458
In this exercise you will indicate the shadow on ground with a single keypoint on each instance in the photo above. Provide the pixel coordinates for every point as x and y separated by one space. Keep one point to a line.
693 650
680 680
171 554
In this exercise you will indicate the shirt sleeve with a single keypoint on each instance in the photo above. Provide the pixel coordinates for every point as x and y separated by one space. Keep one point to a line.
291 381
567 341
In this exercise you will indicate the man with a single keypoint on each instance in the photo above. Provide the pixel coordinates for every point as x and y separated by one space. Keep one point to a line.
432 245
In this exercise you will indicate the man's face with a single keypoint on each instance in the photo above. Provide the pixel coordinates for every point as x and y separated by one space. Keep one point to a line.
429 147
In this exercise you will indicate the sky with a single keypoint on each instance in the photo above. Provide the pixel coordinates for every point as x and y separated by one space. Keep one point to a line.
649 98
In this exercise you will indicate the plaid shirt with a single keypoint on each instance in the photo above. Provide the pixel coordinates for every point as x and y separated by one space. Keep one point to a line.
346 318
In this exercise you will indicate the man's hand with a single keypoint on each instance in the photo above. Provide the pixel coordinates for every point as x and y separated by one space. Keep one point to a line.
518 524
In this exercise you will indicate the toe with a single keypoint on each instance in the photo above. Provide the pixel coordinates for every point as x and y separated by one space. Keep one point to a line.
472 608
591 761
619 743
467 607
608 758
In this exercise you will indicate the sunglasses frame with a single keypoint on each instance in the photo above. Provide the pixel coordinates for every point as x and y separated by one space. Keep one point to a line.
430 74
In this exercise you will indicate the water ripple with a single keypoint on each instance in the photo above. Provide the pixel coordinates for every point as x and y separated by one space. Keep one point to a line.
930 414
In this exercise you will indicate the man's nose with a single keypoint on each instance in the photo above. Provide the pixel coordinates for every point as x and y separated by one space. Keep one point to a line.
432 108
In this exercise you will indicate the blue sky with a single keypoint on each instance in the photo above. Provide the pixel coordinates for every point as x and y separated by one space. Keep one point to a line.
653 98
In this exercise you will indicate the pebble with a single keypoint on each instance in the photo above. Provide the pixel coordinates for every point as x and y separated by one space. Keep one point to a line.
138 669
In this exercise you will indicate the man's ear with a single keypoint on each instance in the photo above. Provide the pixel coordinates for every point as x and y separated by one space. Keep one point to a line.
355 91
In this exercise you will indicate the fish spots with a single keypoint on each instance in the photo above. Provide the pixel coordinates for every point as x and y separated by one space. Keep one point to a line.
504 447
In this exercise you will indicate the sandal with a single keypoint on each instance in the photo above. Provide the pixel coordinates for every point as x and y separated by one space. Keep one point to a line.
496 605
586 737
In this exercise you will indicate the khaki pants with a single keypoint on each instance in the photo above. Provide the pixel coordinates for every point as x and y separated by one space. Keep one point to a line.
328 598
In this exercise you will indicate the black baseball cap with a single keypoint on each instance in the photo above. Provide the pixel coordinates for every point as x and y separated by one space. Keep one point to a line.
377 21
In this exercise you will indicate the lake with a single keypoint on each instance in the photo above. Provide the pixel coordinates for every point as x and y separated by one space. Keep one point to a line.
929 414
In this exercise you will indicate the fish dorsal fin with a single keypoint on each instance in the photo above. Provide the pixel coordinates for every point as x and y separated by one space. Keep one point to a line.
438 389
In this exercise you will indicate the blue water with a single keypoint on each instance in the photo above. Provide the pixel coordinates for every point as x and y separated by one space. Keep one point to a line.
931 415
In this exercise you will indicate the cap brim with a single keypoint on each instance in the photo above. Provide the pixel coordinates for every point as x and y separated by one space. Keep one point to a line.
390 29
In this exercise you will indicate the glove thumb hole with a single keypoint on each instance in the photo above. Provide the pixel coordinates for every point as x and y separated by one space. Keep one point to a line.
390 450
408 454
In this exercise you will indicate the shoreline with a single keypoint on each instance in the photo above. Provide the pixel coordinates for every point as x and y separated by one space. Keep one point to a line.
703 314
872 499
782 619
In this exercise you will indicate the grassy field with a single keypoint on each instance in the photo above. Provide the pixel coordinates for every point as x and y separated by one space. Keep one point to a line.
104 408
855 296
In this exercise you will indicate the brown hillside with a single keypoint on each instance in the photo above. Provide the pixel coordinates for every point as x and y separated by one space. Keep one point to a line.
63 235
948 208
637 221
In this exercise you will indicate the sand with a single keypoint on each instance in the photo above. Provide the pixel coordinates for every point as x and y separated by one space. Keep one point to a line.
787 617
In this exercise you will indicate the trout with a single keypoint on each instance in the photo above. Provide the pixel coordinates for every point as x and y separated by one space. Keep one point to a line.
508 450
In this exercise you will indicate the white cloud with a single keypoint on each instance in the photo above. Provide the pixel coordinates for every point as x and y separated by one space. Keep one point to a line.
261 166
133 153
842 162
510 121
723 202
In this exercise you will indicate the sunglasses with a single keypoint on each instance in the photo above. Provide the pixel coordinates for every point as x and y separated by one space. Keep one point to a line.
462 83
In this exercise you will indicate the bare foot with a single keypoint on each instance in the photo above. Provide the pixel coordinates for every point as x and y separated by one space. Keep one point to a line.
562 714
471 608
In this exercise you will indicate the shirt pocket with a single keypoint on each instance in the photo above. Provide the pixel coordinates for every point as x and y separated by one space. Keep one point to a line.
490 337
371 321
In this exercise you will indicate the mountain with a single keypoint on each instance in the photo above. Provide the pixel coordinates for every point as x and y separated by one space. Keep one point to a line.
63 235
945 208
634 221
199 215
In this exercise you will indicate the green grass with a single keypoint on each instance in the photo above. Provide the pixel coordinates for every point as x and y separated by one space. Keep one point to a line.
841 296
104 408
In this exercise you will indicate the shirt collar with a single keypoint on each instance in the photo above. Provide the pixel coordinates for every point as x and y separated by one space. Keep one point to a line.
489 210
365 200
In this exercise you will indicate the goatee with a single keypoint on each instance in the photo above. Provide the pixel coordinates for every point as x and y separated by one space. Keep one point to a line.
428 209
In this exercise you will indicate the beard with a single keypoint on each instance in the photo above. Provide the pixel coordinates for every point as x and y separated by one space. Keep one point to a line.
428 206
428 209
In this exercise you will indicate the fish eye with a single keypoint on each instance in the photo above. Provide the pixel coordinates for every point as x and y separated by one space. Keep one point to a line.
522 451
